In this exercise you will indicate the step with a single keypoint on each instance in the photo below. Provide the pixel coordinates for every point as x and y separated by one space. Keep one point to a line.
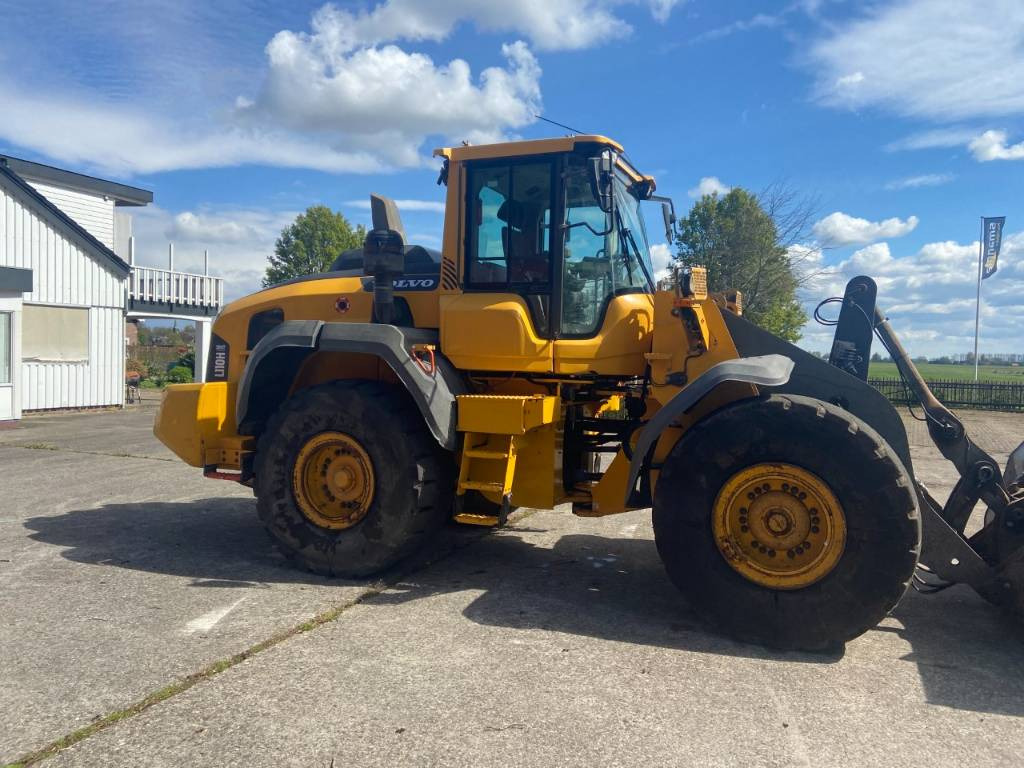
468 518
481 485
478 453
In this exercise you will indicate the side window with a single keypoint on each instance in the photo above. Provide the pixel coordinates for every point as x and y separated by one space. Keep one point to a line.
509 238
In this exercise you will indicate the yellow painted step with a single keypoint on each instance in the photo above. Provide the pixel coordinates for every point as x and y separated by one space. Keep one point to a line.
468 518
477 453
481 485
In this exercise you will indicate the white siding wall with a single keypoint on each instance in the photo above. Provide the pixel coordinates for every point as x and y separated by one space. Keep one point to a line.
63 273
91 212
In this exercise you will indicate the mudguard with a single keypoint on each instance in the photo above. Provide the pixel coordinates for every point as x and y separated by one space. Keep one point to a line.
268 374
816 378
763 371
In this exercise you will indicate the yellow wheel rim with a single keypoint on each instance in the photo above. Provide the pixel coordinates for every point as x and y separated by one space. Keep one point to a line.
779 526
333 480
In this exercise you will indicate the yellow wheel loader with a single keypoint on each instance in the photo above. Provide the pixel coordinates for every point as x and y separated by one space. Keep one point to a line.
533 362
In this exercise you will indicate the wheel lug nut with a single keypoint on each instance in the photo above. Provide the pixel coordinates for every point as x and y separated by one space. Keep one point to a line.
806 545
815 529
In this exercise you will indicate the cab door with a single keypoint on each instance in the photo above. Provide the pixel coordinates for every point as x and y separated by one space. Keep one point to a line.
607 309
502 319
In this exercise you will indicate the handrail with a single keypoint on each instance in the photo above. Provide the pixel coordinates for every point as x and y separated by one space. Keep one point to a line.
158 285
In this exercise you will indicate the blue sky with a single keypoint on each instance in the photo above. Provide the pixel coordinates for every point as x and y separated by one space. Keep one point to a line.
905 120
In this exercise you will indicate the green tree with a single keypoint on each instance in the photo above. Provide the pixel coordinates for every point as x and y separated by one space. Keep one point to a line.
739 243
310 243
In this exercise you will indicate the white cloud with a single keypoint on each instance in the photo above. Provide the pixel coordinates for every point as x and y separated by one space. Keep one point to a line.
662 9
929 296
121 140
383 98
991 145
757 21
839 229
708 185
239 241
343 96
549 24
434 206
191 227
924 180
938 138
848 81
661 260
926 58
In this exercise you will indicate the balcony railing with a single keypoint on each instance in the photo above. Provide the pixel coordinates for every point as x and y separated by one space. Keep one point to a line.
162 286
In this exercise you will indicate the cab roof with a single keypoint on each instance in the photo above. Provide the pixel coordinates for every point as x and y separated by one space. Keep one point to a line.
531 147
539 147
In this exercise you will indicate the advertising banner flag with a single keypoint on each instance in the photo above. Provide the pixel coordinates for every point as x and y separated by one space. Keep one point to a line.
993 239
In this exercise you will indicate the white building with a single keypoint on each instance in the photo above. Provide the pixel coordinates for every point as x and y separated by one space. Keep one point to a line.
66 284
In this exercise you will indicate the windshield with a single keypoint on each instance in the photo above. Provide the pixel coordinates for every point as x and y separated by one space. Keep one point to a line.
631 225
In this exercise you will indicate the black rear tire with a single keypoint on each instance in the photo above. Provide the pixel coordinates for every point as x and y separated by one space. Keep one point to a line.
883 528
415 478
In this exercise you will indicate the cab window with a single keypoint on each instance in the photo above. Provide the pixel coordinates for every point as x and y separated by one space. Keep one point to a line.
509 237
602 258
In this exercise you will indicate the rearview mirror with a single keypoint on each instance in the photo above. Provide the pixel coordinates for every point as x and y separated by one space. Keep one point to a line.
670 220
602 170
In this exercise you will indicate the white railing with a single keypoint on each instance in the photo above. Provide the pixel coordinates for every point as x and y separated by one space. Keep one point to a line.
164 286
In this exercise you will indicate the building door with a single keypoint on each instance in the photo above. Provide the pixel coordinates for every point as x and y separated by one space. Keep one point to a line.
6 366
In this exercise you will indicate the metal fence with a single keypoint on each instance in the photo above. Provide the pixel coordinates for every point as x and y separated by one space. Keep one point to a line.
959 393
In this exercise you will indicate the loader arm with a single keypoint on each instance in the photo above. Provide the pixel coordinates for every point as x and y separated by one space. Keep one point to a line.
992 560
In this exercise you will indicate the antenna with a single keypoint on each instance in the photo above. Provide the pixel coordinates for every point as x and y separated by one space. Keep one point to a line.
560 125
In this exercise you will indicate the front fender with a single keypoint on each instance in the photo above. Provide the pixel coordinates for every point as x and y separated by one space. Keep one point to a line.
270 370
763 371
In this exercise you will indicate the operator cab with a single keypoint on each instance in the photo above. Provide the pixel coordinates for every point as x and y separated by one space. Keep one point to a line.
553 257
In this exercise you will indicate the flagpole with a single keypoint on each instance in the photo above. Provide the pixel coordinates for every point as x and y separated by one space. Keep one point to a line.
977 305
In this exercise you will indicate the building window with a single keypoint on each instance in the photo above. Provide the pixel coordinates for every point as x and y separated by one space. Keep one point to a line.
55 334
6 342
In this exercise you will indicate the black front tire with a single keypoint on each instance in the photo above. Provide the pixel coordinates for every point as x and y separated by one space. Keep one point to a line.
876 493
415 478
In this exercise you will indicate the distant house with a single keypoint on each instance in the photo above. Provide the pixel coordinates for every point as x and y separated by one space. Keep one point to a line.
64 277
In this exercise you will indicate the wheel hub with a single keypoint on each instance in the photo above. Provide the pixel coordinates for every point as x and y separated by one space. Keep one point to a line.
779 526
333 480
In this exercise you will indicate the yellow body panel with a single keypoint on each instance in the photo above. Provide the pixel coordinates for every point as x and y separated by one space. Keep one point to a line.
505 414
196 417
492 332
618 349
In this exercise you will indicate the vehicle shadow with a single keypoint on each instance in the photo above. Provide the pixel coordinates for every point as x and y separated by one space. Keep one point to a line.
968 655
214 542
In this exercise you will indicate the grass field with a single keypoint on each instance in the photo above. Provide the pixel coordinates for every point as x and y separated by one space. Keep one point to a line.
937 372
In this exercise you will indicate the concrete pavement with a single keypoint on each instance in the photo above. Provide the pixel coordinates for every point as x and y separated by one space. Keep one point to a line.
557 641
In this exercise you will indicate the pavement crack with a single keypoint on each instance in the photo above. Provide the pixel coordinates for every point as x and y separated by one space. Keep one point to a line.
454 546
58 449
